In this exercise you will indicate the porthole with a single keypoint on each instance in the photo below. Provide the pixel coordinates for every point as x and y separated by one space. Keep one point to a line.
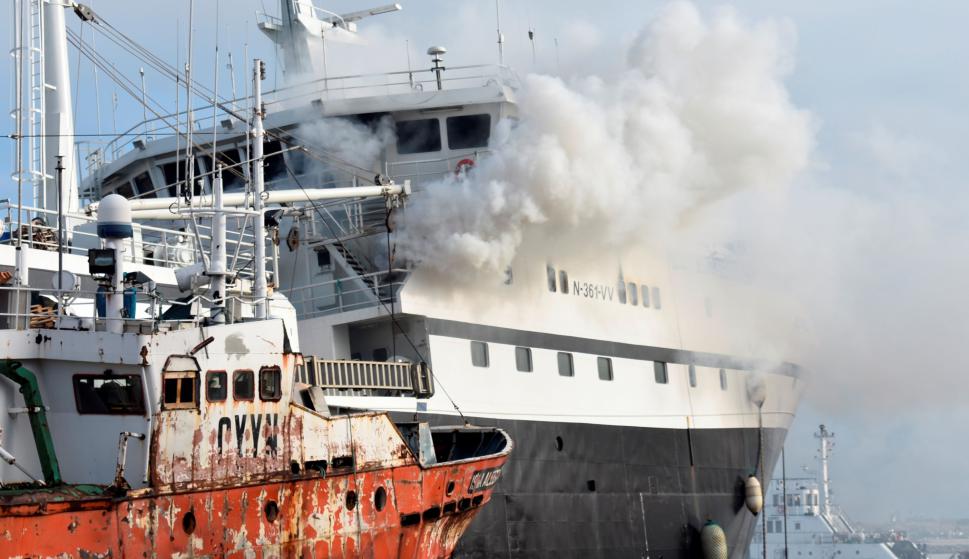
450 488
188 522
351 500
559 444
380 499
272 511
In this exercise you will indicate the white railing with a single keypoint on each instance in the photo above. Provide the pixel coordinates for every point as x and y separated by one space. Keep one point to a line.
346 294
373 377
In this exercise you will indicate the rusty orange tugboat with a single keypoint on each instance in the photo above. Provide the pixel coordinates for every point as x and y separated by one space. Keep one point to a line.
201 431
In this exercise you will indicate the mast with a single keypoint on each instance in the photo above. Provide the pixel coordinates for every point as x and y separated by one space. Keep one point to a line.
58 117
258 186
826 439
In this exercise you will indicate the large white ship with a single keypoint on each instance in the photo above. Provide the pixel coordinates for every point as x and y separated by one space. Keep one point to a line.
637 414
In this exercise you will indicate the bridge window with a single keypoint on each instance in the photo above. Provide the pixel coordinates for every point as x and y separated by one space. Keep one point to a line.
646 296
468 131
633 297
566 365
479 354
692 372
380 354
144 185
605 368
109 394
270 384
243 385
275 164
418 136
660 372
216 386
523 359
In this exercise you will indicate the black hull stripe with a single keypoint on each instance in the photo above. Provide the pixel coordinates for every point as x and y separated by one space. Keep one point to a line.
617 492
557 342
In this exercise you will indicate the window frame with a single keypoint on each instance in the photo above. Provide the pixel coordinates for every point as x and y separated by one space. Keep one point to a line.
485 354
569 360
528 356
278 378
179 376
235 395
447 129
225 385
661 371
77 397
610 376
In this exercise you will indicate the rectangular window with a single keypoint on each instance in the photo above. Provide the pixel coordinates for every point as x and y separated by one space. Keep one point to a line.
660 372
468 131
621 292
797 525
275 167
564 281
550 275
243 385
323 259
144 186
633 297
270 384
109 394
605 368
566 367
523 359
380 354
418 136
179 390
657 303
216 386
693 376
646 296
479 354
723 379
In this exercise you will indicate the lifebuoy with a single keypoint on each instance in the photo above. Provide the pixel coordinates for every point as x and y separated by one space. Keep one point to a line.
463 166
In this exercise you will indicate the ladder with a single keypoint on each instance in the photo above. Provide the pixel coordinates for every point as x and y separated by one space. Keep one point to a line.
37 110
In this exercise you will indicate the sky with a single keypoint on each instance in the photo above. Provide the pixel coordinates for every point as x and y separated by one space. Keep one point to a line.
872 230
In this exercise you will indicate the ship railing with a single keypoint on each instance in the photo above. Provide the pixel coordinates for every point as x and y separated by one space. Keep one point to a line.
313 92
366 378
68 308
428 170
347 294
151 245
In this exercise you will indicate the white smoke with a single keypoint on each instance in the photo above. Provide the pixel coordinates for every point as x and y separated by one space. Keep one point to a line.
699 112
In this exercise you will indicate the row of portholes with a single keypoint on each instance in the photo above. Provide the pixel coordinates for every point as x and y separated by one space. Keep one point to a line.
271 510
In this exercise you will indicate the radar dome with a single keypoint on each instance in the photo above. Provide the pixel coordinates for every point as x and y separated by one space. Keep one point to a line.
114 217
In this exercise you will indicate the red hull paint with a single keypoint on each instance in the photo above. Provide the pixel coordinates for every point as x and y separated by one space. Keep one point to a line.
296 517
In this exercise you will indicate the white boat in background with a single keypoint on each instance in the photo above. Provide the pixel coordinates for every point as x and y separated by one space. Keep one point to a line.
801 521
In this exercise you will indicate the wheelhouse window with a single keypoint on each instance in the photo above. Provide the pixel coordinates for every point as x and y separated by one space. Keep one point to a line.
109 394
523 359
180 389
270 384
468 131
243 385
566 364
144 185
633 297
605 368
216 386
660 372
418 136
275 164
479 354
380 354
692 373
646 296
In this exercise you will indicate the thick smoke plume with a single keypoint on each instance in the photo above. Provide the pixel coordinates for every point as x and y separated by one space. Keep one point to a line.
699 112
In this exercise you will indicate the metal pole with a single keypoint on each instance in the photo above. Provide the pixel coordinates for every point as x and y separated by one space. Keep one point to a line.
60 222
784 497
217 266
501 38
18 10
258 186
144 102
